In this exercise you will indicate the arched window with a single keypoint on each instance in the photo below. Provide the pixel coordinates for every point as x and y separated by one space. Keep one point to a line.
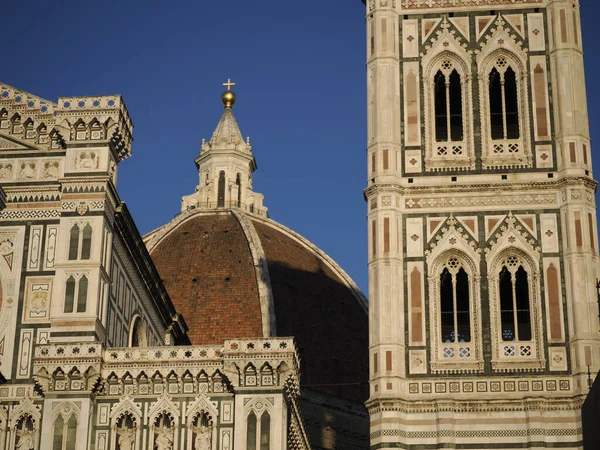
448 105
64 436
74 242
69 295
448 108
138 336
504 107
265 431
454 303
221 190
251 431
79 286
59 432
515 312
82 294
238 182
86 243
80 242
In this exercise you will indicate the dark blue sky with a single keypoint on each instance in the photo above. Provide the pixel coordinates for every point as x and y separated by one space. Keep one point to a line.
299 69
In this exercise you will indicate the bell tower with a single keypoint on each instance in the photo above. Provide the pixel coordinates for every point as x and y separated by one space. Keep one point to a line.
483 245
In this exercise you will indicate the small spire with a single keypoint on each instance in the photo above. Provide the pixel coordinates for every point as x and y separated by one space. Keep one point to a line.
228 97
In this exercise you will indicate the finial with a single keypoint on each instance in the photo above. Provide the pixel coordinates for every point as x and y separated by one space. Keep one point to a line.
228 97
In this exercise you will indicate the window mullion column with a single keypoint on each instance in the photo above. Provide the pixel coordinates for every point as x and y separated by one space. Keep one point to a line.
503 88
258 432
454 308
64 436
513 278
448 121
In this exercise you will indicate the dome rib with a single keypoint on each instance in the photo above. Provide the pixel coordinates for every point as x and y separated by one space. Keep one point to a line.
207 266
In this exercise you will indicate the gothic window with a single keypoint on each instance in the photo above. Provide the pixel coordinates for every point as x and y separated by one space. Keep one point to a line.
238 182
86 242
76 289
505 111
454 303
69 295
221 190
448 105
135 333
258 436
138 333
74 242
515 314
80 242
82 294
251 431
65 433
516 310
454 311
265 431
504 108
448 113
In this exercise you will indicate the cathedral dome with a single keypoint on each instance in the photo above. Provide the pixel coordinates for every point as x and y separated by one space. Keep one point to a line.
233 274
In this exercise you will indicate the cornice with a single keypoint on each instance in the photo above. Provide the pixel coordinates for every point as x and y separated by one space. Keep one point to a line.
542 403
480 187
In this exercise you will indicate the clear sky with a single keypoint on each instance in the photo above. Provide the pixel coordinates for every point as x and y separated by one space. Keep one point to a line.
300 74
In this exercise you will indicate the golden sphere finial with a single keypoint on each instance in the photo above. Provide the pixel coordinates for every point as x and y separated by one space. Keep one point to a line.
228 97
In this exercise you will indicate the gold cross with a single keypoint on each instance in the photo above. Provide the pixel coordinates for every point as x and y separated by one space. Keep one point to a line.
229 84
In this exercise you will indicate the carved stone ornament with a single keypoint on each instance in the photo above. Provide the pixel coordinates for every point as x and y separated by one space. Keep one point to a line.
6 171
82 208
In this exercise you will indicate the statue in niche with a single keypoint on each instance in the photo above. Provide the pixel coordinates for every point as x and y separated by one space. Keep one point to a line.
164 434
203 432
126 434
25 434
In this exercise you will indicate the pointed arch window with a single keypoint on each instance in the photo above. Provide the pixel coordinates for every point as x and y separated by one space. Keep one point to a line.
448 105
258 435
221 190
238 182
69 295
454 303
454 312
76 289
80 242
265 431
64 436
82 294
505 121
251 431
515 307
86 242
448 112
504 106
74 242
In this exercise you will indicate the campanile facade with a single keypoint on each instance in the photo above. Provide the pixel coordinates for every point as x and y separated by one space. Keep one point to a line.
483 244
